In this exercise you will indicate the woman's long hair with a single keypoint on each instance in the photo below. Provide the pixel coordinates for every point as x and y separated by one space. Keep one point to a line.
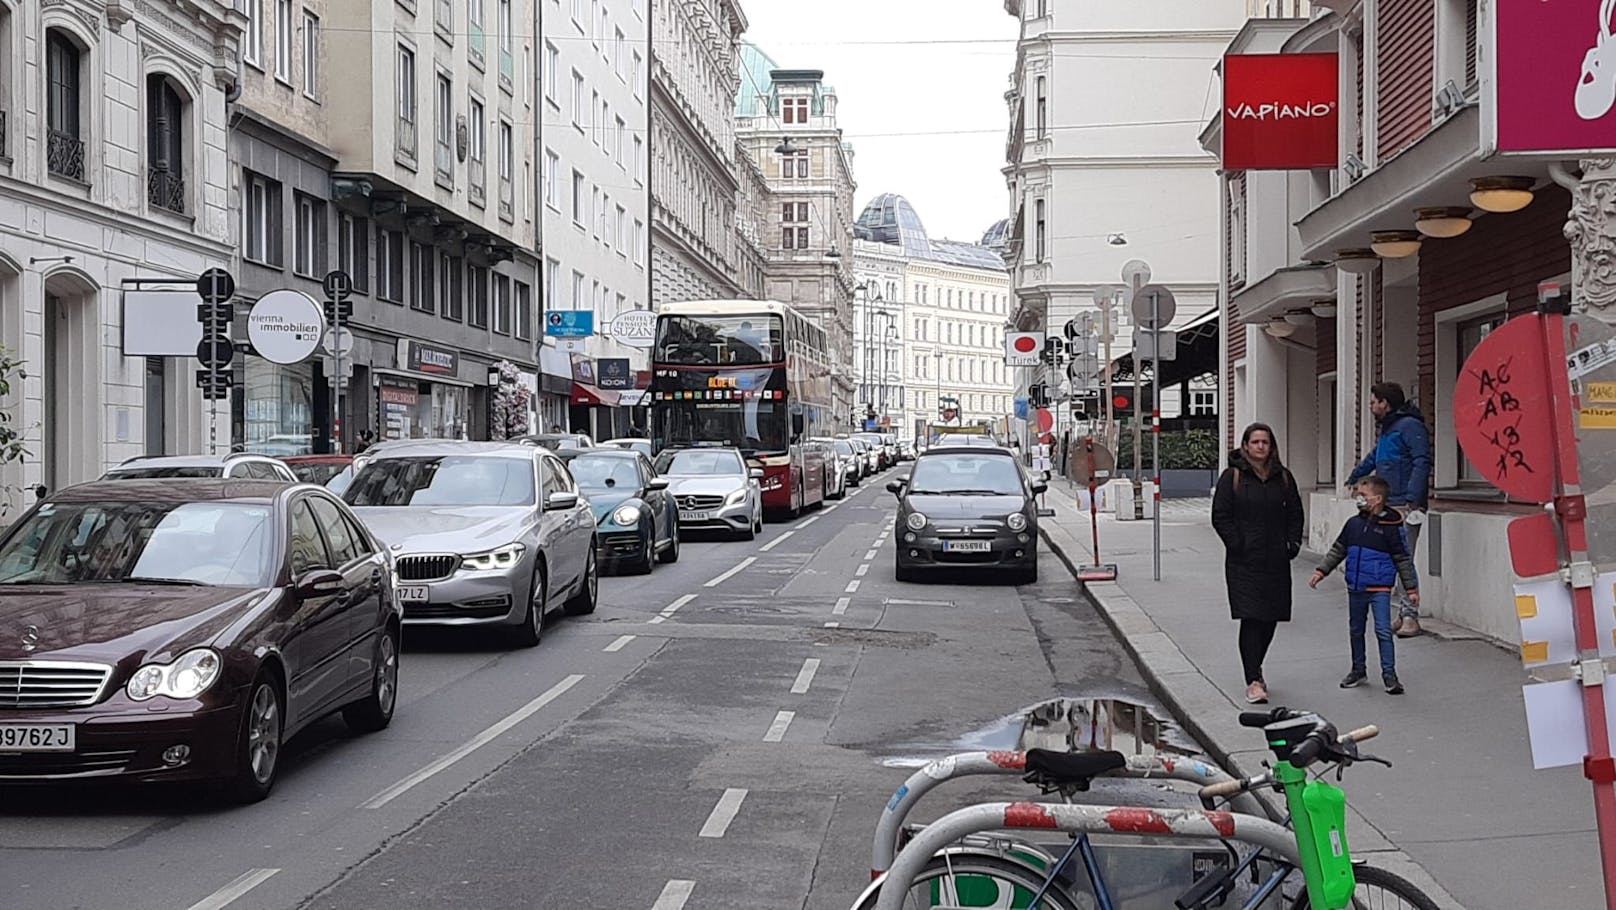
1273 450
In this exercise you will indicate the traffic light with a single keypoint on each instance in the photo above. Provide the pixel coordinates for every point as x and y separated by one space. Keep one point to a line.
1038 395
1122 399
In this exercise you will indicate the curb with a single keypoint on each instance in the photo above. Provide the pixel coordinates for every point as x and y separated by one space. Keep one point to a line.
1180 686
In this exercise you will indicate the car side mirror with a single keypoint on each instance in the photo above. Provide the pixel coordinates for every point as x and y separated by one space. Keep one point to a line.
560 501
895 487
755 473
1039 486
319 583
657 483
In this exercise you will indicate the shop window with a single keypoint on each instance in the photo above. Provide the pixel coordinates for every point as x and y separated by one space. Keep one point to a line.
1470 334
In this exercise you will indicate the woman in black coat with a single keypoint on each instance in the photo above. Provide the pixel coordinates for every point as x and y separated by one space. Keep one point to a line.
1257 511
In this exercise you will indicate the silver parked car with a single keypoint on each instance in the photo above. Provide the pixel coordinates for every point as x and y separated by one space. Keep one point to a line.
482 533
235 466
714 488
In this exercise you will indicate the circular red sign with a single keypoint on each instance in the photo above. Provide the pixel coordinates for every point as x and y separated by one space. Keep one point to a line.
1502 412
1046 420
1026 344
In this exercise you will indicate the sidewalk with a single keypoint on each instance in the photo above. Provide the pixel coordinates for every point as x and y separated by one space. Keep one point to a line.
1461 810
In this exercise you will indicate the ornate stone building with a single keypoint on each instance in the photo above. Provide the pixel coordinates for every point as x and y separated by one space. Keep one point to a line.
786 124
694 250
112 169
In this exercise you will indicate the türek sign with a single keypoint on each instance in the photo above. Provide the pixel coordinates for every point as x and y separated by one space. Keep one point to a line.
1280 112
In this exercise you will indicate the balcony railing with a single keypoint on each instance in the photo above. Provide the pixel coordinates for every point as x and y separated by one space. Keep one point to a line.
65 155
165 189
443 161
476 42
406 136
506 195
474 180
507 67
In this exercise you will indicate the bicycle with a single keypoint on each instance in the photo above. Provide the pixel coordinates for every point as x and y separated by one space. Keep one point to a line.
950 869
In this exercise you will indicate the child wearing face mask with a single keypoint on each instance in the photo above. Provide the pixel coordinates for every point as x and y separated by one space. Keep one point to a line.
1375 549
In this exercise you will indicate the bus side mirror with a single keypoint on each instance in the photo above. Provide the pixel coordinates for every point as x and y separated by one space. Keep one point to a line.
798 424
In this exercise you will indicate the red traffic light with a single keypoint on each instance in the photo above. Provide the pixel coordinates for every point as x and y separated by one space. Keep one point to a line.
1121 401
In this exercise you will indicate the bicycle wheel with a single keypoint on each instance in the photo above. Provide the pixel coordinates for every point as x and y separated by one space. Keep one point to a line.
1379 890
968 882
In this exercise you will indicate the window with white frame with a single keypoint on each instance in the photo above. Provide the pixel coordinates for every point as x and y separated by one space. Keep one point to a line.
794 164
477 296
617 143
506 27
476 138
601 229
252 39
524 311
422 272
578 213
444 128
1041 109
502 304
1237 231
579 301
308 231
578 15
507 164
639 152
794 110
597 120
311 55
261 214
551 290
406 100
639 243
390 265
620 231
552 62
1203 402
1468 335
283 40
794 226
580 113
1041 246
451 302
639 62
552 180
617 53
353 250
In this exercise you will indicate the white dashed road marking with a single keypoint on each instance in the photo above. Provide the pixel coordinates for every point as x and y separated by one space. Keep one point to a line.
805 676
673 896
739 567
223 897
777 730
862 570
728 806
477 742
833 625
775 542
618 644
841 606
853 586
870 555
803 524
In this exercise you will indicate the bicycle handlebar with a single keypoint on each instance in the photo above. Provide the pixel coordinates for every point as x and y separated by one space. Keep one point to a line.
1261 719
1359 735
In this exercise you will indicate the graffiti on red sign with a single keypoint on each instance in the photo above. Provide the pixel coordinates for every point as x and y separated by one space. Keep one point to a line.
1501 410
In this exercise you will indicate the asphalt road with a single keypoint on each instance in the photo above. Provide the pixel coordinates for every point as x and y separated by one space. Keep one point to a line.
721 733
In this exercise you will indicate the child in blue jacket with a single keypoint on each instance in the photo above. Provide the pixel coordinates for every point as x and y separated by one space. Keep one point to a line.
1375 549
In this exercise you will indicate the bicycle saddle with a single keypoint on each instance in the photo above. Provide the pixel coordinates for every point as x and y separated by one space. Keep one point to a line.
1070 769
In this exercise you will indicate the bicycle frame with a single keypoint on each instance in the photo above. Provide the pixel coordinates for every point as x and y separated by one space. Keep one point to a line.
1140 767
1102 892
1180 824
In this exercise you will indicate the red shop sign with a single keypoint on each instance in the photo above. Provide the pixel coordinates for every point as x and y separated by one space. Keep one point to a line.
1555 84
1280 112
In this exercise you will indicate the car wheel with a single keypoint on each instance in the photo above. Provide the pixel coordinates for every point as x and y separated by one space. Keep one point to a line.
375 711
258 744
671 554
583 603
531 631
647 560
901 571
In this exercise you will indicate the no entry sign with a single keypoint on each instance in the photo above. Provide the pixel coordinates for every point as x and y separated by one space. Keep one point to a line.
1502 411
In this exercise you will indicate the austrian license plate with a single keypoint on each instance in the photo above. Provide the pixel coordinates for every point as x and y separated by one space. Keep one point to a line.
695 516
414 593
965 546
36 737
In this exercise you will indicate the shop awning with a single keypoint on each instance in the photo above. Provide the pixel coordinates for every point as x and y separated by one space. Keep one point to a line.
583 393
1197 354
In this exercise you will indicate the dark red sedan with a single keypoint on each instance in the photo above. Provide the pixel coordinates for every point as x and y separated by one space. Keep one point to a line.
182 630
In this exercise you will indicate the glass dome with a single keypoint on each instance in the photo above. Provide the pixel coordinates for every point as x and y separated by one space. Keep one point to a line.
889 218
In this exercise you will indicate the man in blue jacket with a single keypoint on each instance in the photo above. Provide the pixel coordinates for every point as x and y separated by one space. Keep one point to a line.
1401 457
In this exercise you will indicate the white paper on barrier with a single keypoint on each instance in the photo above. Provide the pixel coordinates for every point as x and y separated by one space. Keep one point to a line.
1552 624
1555 723
1605 612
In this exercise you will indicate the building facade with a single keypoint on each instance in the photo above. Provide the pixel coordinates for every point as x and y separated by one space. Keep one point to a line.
694 73
1099 178
929 325
432 205
1320 304
786 125
112 164
594 81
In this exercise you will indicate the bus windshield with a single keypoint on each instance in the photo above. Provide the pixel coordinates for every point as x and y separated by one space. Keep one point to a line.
720 340
752 425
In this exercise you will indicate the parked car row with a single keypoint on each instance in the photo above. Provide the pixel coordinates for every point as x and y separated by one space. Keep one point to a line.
181 618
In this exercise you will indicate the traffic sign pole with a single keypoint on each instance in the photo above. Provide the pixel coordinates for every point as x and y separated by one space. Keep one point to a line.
1155 426
338 286
216 287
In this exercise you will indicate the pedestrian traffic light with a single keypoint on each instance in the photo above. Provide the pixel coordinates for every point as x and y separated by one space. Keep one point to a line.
1038 395
1122 399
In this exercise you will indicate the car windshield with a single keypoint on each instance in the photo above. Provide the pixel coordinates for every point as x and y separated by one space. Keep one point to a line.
982 475
714 340
604 472
318 472
695 461
556 443
159 472
202 543
843 448
444 480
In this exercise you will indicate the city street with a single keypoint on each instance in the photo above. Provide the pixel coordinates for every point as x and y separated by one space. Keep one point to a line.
721 733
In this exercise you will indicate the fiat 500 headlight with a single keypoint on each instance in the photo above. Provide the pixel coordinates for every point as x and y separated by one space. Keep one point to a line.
916 521
503 558
1016 522
187 677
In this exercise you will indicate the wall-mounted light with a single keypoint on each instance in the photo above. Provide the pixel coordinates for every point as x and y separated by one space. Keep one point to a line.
1116 239
1501 194
785 147
1394 244
1443 221
1324 309
1279 328
1356 262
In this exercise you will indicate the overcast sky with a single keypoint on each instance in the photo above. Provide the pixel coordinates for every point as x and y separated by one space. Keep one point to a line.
905 70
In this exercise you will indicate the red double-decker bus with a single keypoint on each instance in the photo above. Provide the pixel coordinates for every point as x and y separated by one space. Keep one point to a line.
754 374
